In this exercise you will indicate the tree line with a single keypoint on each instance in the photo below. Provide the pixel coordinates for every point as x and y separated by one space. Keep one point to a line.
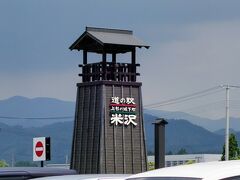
234 151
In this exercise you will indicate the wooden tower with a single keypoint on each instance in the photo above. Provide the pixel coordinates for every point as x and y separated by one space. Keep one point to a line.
108 129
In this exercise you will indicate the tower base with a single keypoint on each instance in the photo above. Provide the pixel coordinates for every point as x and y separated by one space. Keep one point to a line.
108 129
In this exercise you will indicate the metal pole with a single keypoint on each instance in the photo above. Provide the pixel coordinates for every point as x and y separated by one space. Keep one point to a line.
227 125
227 119
42 164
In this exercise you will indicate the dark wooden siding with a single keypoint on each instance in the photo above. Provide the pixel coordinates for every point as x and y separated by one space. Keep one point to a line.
101 147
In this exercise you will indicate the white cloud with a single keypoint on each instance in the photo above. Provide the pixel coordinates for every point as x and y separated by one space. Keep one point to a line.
206 56
209 57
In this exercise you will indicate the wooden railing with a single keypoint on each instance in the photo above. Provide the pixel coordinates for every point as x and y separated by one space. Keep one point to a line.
109 71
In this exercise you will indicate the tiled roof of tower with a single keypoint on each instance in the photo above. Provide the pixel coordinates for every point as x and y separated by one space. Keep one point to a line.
94 38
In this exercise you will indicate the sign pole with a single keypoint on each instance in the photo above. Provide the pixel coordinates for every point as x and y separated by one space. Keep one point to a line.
42 163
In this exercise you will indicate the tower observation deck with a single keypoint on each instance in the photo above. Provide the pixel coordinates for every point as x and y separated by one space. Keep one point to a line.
108 41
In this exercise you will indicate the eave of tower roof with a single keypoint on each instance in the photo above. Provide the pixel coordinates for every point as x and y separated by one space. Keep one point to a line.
108 40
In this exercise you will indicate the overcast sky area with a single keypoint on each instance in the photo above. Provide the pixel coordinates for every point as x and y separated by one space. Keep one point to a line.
195 45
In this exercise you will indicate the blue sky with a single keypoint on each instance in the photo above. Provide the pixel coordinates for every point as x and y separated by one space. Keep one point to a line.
195 45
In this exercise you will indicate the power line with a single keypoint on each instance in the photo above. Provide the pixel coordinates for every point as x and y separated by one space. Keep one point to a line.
181 99
186 97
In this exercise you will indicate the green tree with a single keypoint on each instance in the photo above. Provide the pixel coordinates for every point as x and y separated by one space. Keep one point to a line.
151 166
182 151
234 152
3 163
190 162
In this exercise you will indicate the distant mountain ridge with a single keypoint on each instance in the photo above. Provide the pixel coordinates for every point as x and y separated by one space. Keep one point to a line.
223 131
209 124
23 107
18 107
183 134
16 134
17 141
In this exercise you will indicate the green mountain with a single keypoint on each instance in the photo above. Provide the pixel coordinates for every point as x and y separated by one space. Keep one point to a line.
35 112
183 134
16 141
209 124
17 129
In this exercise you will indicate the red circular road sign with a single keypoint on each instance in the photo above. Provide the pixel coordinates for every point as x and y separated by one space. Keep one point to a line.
39 148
